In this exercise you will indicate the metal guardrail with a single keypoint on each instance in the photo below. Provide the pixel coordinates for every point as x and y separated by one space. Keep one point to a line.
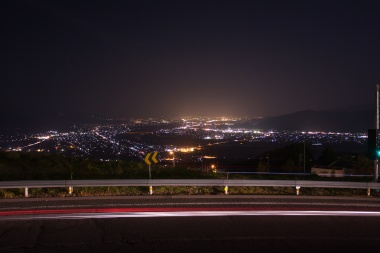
186 182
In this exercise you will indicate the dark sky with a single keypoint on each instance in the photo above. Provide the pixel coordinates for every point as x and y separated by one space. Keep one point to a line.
178 58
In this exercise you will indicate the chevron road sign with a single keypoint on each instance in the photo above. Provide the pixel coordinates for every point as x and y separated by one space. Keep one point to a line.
151 158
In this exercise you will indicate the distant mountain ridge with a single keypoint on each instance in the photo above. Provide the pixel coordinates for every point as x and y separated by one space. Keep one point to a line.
308 120
312 120
45 121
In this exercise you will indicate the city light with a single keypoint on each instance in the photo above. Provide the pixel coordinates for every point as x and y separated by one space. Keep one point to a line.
134 138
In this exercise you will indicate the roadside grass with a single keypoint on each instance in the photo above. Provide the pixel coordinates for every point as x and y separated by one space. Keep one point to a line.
183 190
254 190
25 166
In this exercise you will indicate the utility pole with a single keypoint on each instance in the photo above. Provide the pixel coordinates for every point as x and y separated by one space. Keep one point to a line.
304 158
377 127
172 152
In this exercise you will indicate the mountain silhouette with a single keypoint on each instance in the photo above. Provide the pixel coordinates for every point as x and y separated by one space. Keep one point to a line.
326 121
309 120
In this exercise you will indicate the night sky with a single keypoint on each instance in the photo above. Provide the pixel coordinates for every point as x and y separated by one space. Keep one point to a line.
181 58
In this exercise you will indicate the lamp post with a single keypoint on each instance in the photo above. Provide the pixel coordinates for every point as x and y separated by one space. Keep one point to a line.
377 127
172 152
304 157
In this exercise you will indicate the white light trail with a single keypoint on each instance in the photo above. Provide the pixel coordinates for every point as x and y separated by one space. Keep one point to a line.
190 214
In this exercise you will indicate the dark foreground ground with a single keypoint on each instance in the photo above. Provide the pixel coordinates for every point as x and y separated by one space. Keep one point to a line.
266 224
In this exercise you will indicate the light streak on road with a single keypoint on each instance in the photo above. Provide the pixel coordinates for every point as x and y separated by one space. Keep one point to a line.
219 213
200 204
167 212
36 143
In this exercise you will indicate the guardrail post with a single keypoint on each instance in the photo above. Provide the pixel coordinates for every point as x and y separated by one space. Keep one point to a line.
298 190
368 192
226 189
26 192
150 190
70 187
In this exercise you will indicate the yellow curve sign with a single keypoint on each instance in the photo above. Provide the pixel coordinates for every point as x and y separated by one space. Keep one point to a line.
151 158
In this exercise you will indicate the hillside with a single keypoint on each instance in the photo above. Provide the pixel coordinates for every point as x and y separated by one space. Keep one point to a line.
311 120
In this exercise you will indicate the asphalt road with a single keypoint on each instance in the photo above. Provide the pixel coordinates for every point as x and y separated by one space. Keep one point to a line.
266 224
192 201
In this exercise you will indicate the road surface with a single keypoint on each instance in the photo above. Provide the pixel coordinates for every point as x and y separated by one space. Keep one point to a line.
191 224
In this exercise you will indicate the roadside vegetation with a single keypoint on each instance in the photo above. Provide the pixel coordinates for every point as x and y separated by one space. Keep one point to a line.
38 166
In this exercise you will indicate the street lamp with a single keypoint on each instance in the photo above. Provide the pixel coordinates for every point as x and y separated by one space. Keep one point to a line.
304 156
377 127
172 153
